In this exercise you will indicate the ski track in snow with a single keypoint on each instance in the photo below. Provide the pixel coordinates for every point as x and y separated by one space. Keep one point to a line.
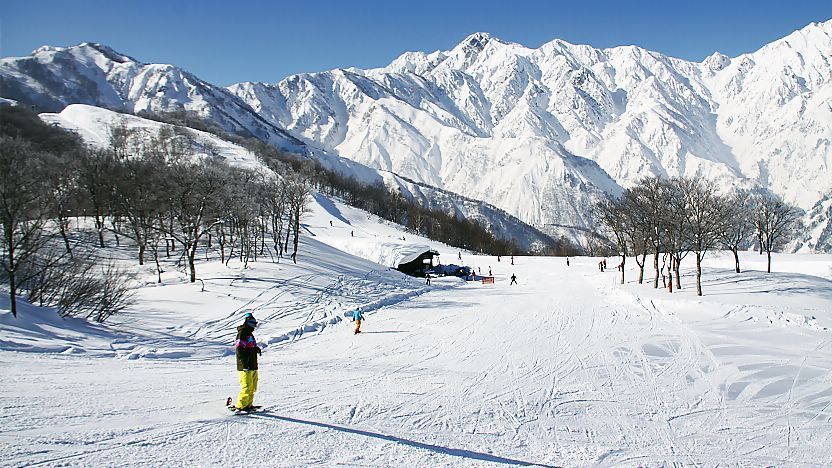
565 369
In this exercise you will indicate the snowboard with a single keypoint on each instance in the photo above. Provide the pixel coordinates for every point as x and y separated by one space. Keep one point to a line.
253 409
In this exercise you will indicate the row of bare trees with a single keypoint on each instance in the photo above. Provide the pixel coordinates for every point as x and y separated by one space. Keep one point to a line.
149 188
671 218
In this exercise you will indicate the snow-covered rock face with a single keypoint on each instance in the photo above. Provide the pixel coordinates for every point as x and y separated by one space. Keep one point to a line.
540 133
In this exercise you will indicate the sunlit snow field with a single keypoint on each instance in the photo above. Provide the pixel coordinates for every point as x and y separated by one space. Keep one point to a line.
566 368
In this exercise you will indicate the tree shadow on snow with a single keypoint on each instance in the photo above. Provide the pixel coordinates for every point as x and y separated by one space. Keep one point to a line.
756 282
434 448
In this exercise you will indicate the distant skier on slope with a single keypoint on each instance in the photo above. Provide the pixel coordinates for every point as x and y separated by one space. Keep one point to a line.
357 317
246 349
513 279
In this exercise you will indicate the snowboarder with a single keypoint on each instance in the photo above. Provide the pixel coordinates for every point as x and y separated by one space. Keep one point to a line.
357 317
246 349
513 279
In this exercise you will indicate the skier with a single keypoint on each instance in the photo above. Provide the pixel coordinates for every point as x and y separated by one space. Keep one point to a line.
352 233
512 259
427 279
357 317
330 223
246 349
459 255
498 259
513 279
489 271
567 261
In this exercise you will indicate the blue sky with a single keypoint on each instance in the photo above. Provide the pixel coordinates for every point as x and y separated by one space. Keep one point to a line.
229 42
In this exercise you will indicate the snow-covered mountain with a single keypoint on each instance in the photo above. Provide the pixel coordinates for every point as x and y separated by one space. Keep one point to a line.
540 133
94 74
527 129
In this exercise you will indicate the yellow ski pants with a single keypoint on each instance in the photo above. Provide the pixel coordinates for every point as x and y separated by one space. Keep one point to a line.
248 385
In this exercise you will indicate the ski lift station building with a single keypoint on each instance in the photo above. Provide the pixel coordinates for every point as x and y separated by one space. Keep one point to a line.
417 261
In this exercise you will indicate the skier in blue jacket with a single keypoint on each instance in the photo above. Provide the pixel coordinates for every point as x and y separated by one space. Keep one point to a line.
357 317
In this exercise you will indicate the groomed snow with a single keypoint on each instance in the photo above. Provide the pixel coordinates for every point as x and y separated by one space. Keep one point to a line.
567 368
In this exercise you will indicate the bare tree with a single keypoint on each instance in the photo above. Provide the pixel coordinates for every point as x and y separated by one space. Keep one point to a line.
612 215
277 206
154 237
706 215
676 225
137 197
298 194
653 194
194 192
740 223
23 212
120 137
95 178
638 226
63 195
239 204
777 223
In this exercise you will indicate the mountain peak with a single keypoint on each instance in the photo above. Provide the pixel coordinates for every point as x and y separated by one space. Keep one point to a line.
716 62
45 49
106 51
86 48
478 41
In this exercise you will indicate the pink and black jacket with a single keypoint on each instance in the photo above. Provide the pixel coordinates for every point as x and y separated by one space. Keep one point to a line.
246 349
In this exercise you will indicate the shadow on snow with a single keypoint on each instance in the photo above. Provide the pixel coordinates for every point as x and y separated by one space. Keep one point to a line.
434 448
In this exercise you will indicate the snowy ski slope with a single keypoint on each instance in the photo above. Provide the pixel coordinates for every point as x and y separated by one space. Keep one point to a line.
567 368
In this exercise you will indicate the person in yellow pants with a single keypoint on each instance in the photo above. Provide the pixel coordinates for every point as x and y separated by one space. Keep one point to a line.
246 349
248 385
